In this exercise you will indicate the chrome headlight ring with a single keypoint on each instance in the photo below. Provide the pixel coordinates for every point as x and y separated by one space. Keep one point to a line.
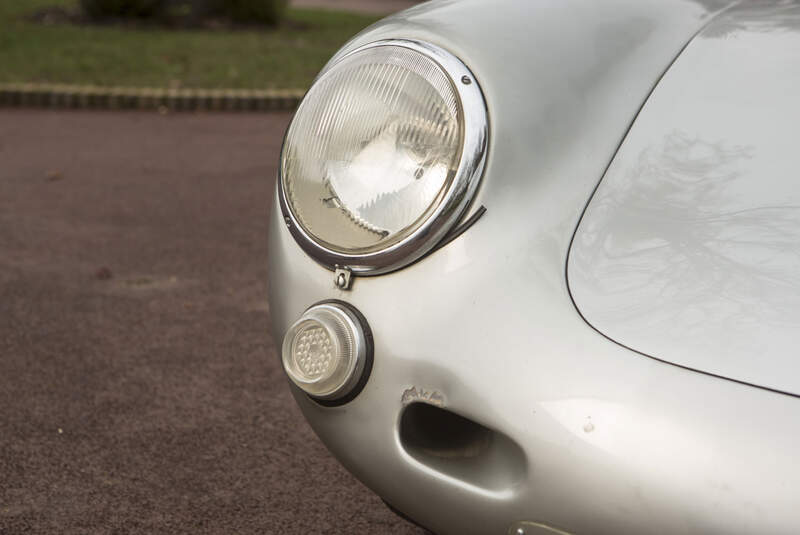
451 203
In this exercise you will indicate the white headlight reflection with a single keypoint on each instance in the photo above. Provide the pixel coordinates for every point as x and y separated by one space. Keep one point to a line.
409 184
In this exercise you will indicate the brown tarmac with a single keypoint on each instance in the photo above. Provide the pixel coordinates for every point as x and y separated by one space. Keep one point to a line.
139 386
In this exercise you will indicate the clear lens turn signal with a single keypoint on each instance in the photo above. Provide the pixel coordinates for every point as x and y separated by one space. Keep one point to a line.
327 352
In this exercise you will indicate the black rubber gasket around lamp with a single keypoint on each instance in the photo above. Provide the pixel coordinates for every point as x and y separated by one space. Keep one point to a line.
368 356
458 231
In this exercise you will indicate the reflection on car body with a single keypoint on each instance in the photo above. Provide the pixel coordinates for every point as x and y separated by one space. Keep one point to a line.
609 347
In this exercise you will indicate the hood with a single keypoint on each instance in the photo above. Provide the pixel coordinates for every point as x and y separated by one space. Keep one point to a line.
689 250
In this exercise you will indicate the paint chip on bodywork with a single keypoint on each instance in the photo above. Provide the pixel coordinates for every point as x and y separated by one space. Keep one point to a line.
413 394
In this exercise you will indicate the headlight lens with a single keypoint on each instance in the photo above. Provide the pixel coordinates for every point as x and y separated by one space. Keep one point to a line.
376 141
376 149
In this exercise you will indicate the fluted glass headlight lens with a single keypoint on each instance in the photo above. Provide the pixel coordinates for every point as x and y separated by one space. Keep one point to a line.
372 149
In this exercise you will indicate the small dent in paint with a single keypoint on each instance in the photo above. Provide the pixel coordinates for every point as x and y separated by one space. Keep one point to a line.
588 427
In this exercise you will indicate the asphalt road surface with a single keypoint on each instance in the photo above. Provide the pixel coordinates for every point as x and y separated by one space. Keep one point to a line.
140 391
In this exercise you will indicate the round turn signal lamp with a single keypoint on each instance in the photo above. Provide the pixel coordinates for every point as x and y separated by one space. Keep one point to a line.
327 352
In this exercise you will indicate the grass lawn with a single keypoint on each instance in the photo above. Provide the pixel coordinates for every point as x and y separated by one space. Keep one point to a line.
286 57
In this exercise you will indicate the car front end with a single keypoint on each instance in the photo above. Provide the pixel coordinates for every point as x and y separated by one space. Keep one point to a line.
476 393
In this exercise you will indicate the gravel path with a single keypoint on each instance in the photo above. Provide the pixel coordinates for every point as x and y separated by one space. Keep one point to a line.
139 385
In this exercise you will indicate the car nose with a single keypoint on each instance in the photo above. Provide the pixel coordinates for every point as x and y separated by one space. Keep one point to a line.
419 430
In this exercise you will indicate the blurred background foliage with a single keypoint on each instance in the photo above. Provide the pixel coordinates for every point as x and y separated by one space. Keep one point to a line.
192 11
237 44
121 8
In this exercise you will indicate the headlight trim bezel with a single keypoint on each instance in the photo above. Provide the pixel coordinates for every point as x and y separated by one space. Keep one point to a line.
457 197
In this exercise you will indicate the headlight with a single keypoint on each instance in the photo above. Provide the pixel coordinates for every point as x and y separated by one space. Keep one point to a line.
383 156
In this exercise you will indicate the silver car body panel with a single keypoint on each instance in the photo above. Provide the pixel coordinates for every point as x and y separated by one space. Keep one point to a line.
690 249
606 441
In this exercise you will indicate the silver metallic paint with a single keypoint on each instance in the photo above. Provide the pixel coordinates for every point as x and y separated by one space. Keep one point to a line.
690 249
614 442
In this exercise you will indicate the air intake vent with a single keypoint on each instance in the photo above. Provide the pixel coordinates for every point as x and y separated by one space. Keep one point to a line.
461 448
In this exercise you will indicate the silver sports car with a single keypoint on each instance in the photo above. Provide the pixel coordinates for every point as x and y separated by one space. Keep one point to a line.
535 264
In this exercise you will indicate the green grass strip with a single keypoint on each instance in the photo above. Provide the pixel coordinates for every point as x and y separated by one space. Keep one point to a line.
138 56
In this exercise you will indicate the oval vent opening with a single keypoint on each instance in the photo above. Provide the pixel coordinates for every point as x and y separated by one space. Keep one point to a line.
461 448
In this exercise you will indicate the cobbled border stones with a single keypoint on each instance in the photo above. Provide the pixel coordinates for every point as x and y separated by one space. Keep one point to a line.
130 98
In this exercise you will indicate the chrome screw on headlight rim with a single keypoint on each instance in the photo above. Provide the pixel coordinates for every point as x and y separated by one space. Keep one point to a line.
383 156
327 352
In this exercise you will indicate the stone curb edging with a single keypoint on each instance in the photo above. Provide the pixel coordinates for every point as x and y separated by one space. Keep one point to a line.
132 98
